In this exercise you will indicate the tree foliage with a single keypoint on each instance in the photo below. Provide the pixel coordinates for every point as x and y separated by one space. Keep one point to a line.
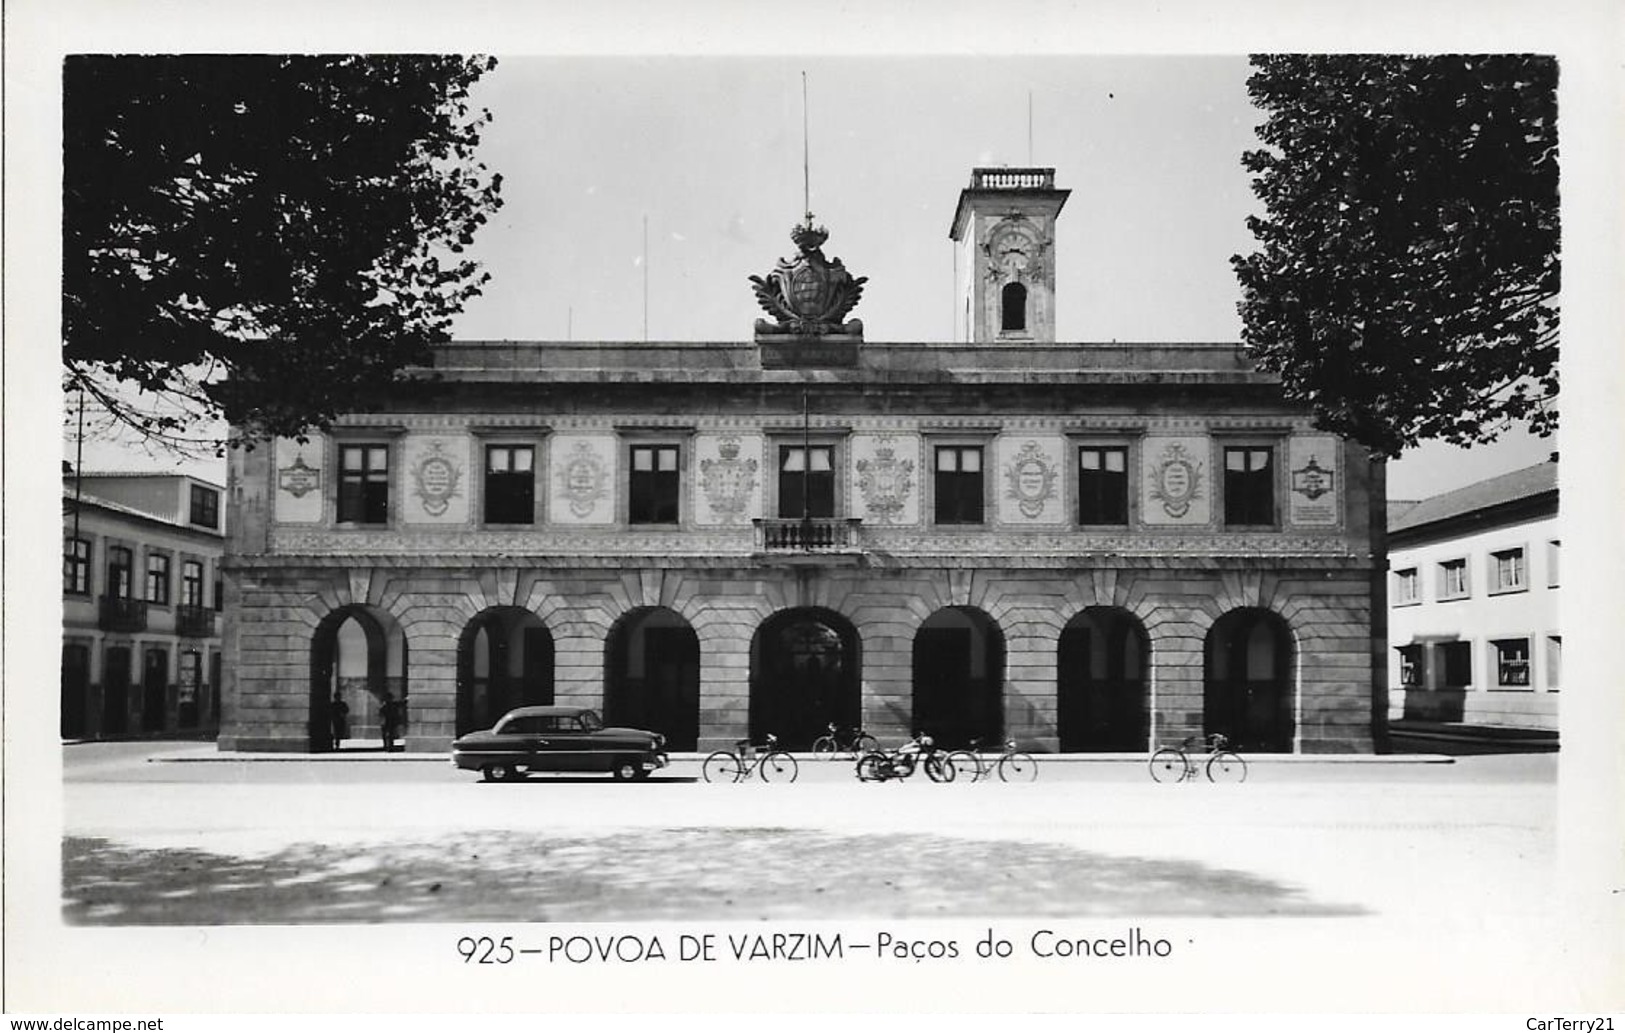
1406 280
264 239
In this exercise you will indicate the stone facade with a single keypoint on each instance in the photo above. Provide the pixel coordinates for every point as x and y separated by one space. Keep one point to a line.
1083 547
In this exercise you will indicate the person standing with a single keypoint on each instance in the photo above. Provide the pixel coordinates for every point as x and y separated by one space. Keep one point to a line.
389 718
339 715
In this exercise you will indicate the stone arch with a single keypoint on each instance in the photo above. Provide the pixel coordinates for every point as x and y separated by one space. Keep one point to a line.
652 675
505 659
358 654
806 669
958 677
1249 680
1103 699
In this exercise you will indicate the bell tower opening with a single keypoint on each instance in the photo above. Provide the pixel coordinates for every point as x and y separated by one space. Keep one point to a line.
1004 228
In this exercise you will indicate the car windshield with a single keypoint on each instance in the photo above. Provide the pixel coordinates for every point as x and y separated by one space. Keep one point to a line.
590 720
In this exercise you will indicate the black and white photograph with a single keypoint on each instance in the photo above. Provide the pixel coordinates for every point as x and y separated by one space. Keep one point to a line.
723 510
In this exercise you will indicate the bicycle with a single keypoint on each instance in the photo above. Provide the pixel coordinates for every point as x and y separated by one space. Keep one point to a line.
826 746
1012 765
744 760
1173 763
919 752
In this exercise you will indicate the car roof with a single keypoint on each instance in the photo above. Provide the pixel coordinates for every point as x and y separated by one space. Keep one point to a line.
553 711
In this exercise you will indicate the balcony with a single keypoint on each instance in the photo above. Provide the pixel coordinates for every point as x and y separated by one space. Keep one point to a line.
122 614
194 622
810 537
1013 179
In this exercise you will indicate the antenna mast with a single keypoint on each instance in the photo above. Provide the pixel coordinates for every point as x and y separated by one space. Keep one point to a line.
806 175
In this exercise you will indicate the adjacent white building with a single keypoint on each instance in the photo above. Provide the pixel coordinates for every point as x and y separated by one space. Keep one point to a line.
1473 604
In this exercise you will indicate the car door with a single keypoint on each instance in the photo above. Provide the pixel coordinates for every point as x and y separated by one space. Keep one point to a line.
573 747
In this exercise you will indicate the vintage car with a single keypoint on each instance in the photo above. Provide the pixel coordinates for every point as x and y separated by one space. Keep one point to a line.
558 739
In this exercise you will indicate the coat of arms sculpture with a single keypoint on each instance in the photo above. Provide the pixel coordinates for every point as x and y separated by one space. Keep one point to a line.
810 295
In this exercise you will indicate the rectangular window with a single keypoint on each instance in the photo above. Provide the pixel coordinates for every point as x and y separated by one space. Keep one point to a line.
1407 586
219 591
192 583
1102 485
120 572
76 566
1554 556
158 579
653 490
1410 666
1249 487
1506 571
1554 662
510 484
959 484
1511 662
1453 579
806 481
364 484
1456 658
205 507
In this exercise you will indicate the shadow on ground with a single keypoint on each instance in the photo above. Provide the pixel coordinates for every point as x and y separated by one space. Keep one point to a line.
675 874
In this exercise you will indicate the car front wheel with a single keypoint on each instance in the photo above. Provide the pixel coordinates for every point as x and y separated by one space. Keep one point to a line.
500 773
625 770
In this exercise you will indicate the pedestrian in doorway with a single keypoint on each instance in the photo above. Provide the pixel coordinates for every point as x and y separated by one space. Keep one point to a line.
389 718
339 715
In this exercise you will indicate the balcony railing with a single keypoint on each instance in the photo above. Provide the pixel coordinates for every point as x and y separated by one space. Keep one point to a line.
810 535
1012 179
120 614
194 622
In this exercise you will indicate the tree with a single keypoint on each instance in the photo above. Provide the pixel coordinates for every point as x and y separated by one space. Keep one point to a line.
1407 275
263 239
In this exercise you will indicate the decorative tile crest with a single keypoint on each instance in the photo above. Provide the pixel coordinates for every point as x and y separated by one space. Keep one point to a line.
728 481
298 479
885 481
1031 480
1176 481
436 477
583 479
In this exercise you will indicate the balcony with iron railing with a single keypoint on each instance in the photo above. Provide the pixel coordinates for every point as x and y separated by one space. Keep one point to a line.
119 613
1013 179
194 621
807 536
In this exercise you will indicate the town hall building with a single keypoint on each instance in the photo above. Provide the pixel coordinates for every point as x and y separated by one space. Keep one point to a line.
1080 546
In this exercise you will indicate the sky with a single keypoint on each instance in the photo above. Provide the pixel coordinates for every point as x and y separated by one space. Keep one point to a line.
642 191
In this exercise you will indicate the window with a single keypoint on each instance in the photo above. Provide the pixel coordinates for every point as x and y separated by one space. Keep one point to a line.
158 578
1554 556
959 484
192 584
1102 485
205 507
76 566
1453 579
1511 662
1013 307
1457 661
653 493
1554 661
804 483
219 591
363 484
510 484
1506 571
1410 666
1249 486
1407 586
120 572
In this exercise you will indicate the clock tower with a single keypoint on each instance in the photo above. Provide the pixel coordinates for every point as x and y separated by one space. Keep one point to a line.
1004 229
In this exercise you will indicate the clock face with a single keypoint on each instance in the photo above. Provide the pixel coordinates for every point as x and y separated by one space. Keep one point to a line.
1012 250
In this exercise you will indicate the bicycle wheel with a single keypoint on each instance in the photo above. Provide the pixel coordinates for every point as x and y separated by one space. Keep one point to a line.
967 768
824 747
1168 765
1017 767
1225 766
722 766
864 743
778 766
869 767
937 768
